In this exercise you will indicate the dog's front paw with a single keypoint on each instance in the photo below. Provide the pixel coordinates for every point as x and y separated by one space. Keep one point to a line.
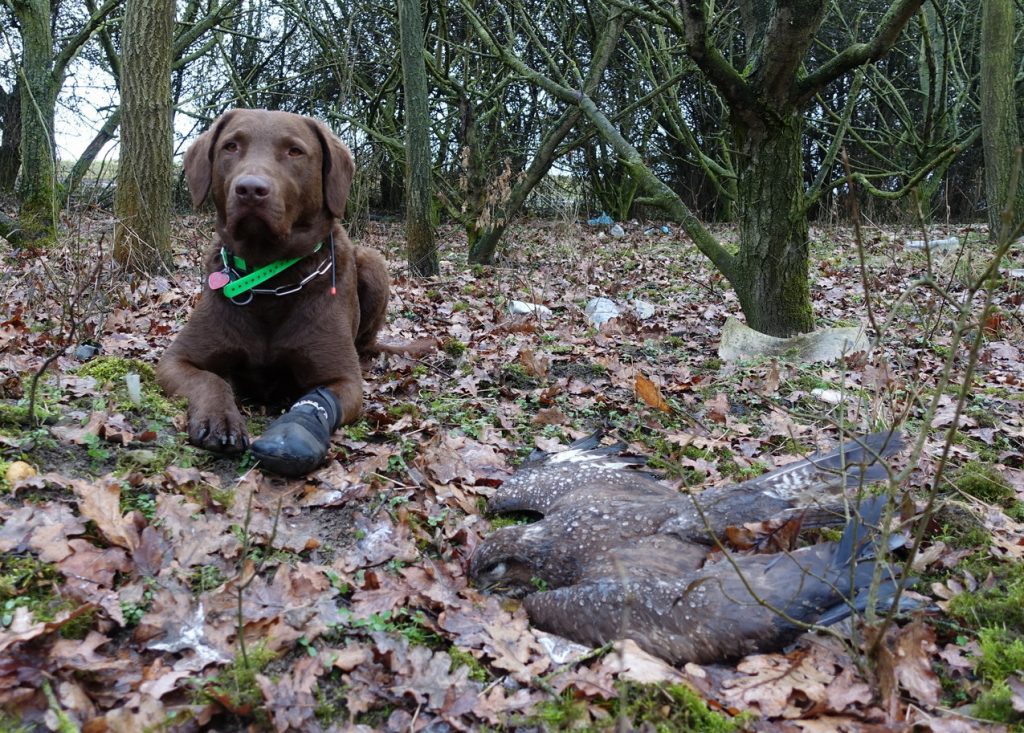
218 430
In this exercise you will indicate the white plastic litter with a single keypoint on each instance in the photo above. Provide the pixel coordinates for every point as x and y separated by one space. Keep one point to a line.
828 396
617 231
642 308
522 308
134 385
944 244
602 310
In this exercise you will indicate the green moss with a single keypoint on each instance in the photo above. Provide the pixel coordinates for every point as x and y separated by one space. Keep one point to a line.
477 671
996 704
453 347
331 698
204 578
26 582
671 708
15 415
110 371
515 375
13 724
1002 652
983 482
511 519
661 707
359 430
236 683
1002 655
998 606
960 527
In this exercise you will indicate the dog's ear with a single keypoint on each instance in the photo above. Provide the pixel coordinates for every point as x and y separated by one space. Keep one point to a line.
338 169
199 161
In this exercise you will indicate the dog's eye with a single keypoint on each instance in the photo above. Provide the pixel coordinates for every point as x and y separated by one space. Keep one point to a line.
231 146
295 152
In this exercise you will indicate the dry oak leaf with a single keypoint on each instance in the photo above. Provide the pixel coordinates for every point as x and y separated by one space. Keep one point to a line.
512 646
101 503
44 529
453 457
631 662
430 682
779 685
497 704
90 568
24 627
649 393
380 540
142 712
904 660
197 539
290 699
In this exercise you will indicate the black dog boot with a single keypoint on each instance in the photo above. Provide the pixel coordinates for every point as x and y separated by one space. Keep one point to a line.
297 442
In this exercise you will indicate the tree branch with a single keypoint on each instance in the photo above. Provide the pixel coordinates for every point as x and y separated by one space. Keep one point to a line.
854 55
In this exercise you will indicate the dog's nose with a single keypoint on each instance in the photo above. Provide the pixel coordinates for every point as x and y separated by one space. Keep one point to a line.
252 189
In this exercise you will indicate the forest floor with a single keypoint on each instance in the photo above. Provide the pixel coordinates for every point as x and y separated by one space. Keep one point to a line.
130 560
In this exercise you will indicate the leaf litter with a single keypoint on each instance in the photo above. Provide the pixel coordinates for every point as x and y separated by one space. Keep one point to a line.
354 578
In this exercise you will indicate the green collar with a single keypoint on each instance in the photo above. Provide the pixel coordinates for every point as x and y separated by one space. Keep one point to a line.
235 264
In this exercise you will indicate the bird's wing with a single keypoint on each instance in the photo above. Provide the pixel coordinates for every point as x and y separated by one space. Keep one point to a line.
815 483
573 477
724 610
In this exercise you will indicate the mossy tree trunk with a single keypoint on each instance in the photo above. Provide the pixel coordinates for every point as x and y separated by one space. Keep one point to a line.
1000 133
10 137
770 272
142 205
42 72
37 182
421 249
770 269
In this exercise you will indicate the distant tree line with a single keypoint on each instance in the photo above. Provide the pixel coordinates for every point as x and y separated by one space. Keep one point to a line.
739 110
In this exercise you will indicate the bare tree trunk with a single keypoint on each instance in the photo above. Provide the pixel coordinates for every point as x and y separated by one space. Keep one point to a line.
85 160
10 137
770 270
36 187
421 250
999 132
142 205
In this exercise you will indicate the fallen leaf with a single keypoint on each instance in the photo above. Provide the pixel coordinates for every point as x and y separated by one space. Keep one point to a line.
649 393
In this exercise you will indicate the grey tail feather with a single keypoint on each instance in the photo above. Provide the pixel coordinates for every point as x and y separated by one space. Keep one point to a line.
858 545
858 529
590 442
883 602
861 455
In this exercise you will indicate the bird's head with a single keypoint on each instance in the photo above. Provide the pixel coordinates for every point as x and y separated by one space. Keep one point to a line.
498 566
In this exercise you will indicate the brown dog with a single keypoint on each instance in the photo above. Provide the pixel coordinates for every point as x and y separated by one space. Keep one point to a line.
279 182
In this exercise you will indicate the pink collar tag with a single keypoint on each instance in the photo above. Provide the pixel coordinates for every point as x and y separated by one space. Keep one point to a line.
217 280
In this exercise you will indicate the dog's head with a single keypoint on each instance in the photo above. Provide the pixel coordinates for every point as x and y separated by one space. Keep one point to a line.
278 181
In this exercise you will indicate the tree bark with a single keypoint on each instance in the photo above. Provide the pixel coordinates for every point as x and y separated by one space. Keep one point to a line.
142 204
421 250
10 137
770 272
37 185
999 131
42 74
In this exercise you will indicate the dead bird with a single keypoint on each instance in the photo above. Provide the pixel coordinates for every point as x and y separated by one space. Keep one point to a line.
618 554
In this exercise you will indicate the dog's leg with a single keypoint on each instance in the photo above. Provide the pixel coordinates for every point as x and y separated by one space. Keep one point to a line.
374 286
297 442
214 422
